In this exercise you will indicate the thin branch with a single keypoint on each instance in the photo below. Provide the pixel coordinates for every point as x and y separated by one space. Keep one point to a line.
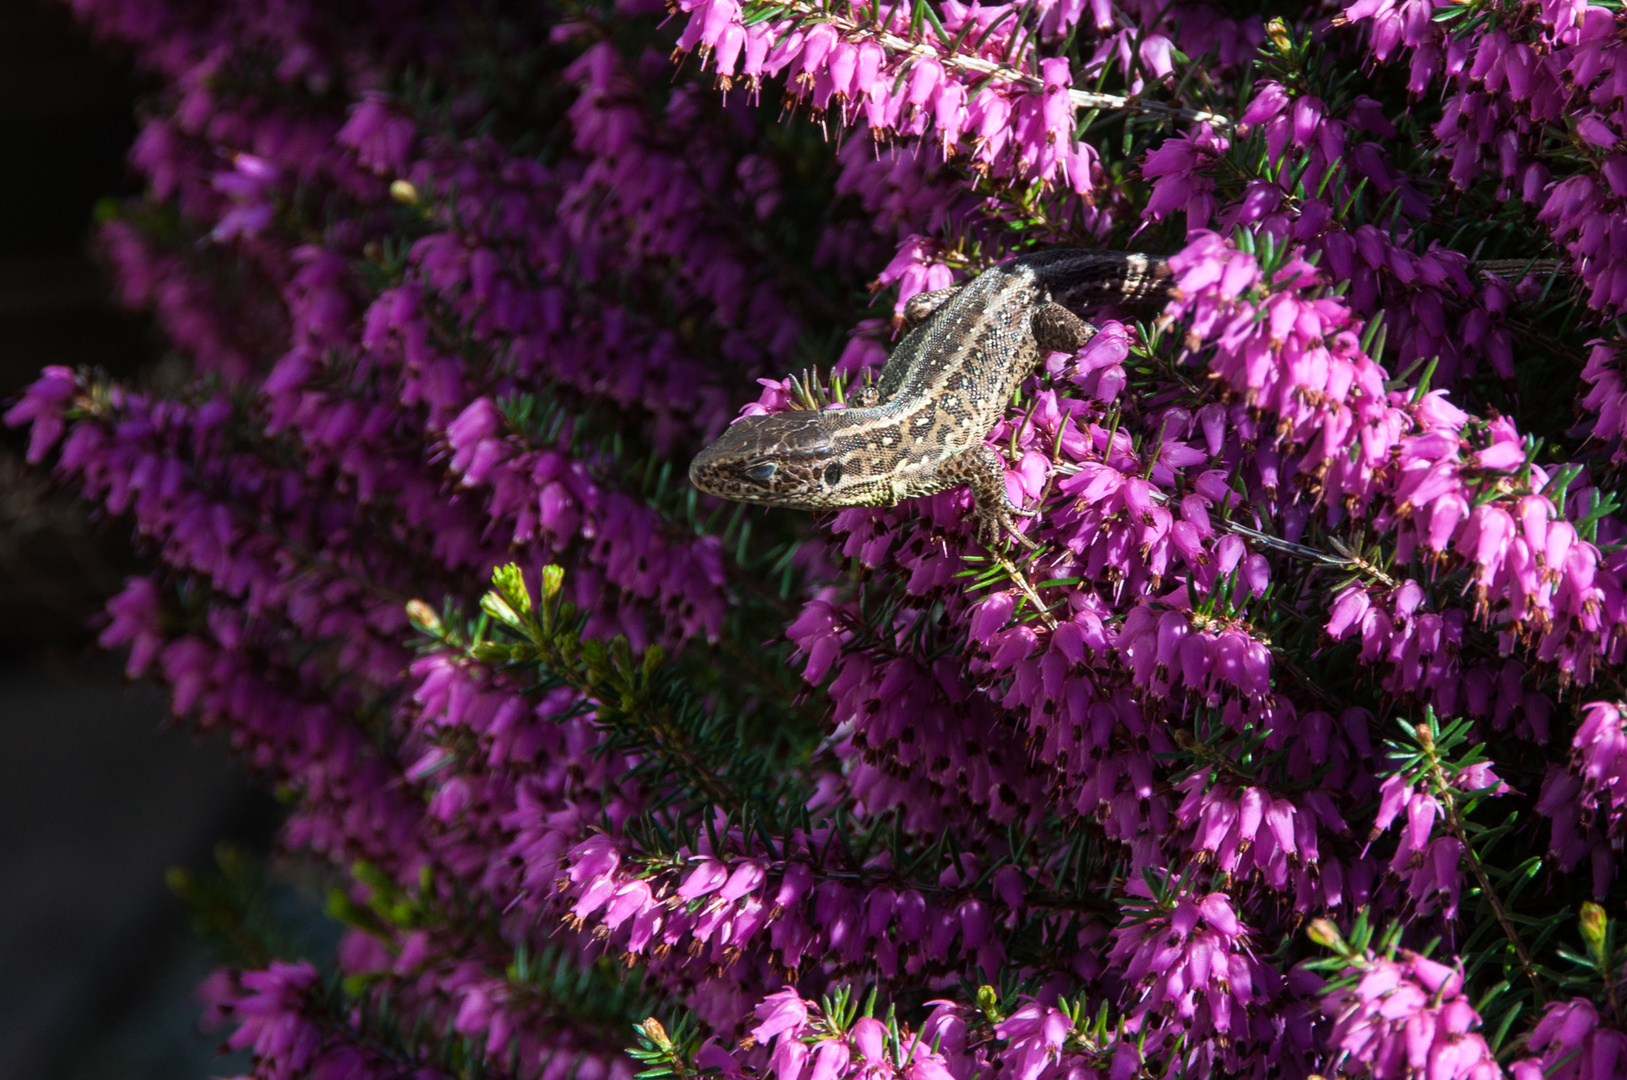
1346 556
1445 792
1022 582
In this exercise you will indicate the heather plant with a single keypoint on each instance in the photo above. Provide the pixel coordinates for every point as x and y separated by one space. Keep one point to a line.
1296 747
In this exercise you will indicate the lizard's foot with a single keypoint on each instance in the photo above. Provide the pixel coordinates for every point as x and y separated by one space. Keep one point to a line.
982 469
1002 521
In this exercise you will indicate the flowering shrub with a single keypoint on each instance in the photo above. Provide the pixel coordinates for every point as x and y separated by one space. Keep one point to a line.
1296 748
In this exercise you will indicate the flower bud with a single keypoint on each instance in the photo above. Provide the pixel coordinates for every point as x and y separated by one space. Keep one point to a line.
656 1033
1594 925
424 618
1324 933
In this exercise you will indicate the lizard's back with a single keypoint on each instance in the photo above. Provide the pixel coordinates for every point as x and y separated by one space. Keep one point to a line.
942 390
945 385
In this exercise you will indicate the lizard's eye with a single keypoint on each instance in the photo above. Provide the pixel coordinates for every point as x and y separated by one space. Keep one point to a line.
762 473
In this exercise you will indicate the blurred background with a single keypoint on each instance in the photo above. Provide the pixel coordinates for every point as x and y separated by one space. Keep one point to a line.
98 797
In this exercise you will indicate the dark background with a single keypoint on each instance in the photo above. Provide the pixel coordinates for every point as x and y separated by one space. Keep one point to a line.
98 795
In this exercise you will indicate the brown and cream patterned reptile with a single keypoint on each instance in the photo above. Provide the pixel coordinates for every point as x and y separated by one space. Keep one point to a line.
921 428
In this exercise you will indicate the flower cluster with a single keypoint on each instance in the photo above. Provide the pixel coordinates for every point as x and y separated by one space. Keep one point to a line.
1512 82
1192 964
832 1042
1323 627
1588 801
1407 1017
1570 1042
914 81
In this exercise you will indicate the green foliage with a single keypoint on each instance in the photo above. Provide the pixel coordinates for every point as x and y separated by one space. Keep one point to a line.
678 745
246 916
1598 972
664 1054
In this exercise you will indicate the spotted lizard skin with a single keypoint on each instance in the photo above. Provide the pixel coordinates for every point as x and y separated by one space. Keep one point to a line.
921 428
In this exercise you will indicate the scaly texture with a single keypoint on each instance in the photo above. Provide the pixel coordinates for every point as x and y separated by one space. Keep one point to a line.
920 430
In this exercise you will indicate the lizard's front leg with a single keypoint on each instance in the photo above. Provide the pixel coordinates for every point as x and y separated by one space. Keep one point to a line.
981 468
917 310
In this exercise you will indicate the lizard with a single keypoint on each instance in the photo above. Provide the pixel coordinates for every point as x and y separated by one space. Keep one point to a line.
920 429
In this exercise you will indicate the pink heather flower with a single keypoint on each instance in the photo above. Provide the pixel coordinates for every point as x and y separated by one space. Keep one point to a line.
1570 1043
357 452
1035 1035
915 272
707 877
713 1056
1596 132
1180 182
780 1013
830 1059
380 136
1404 1018
869 1039
745 879
1193 964
41 406
270 1018
1599 761
789 1059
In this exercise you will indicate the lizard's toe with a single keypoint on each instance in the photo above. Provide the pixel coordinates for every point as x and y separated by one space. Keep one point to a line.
1011 531
993 526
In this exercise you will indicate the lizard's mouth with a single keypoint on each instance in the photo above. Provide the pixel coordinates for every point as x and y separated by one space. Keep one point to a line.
703 473
718 471
728 477
776 459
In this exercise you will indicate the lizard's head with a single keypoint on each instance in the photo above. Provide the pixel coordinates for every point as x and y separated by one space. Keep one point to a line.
782 459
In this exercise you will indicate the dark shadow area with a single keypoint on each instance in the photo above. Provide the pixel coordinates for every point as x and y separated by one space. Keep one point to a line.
98 796
99 800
